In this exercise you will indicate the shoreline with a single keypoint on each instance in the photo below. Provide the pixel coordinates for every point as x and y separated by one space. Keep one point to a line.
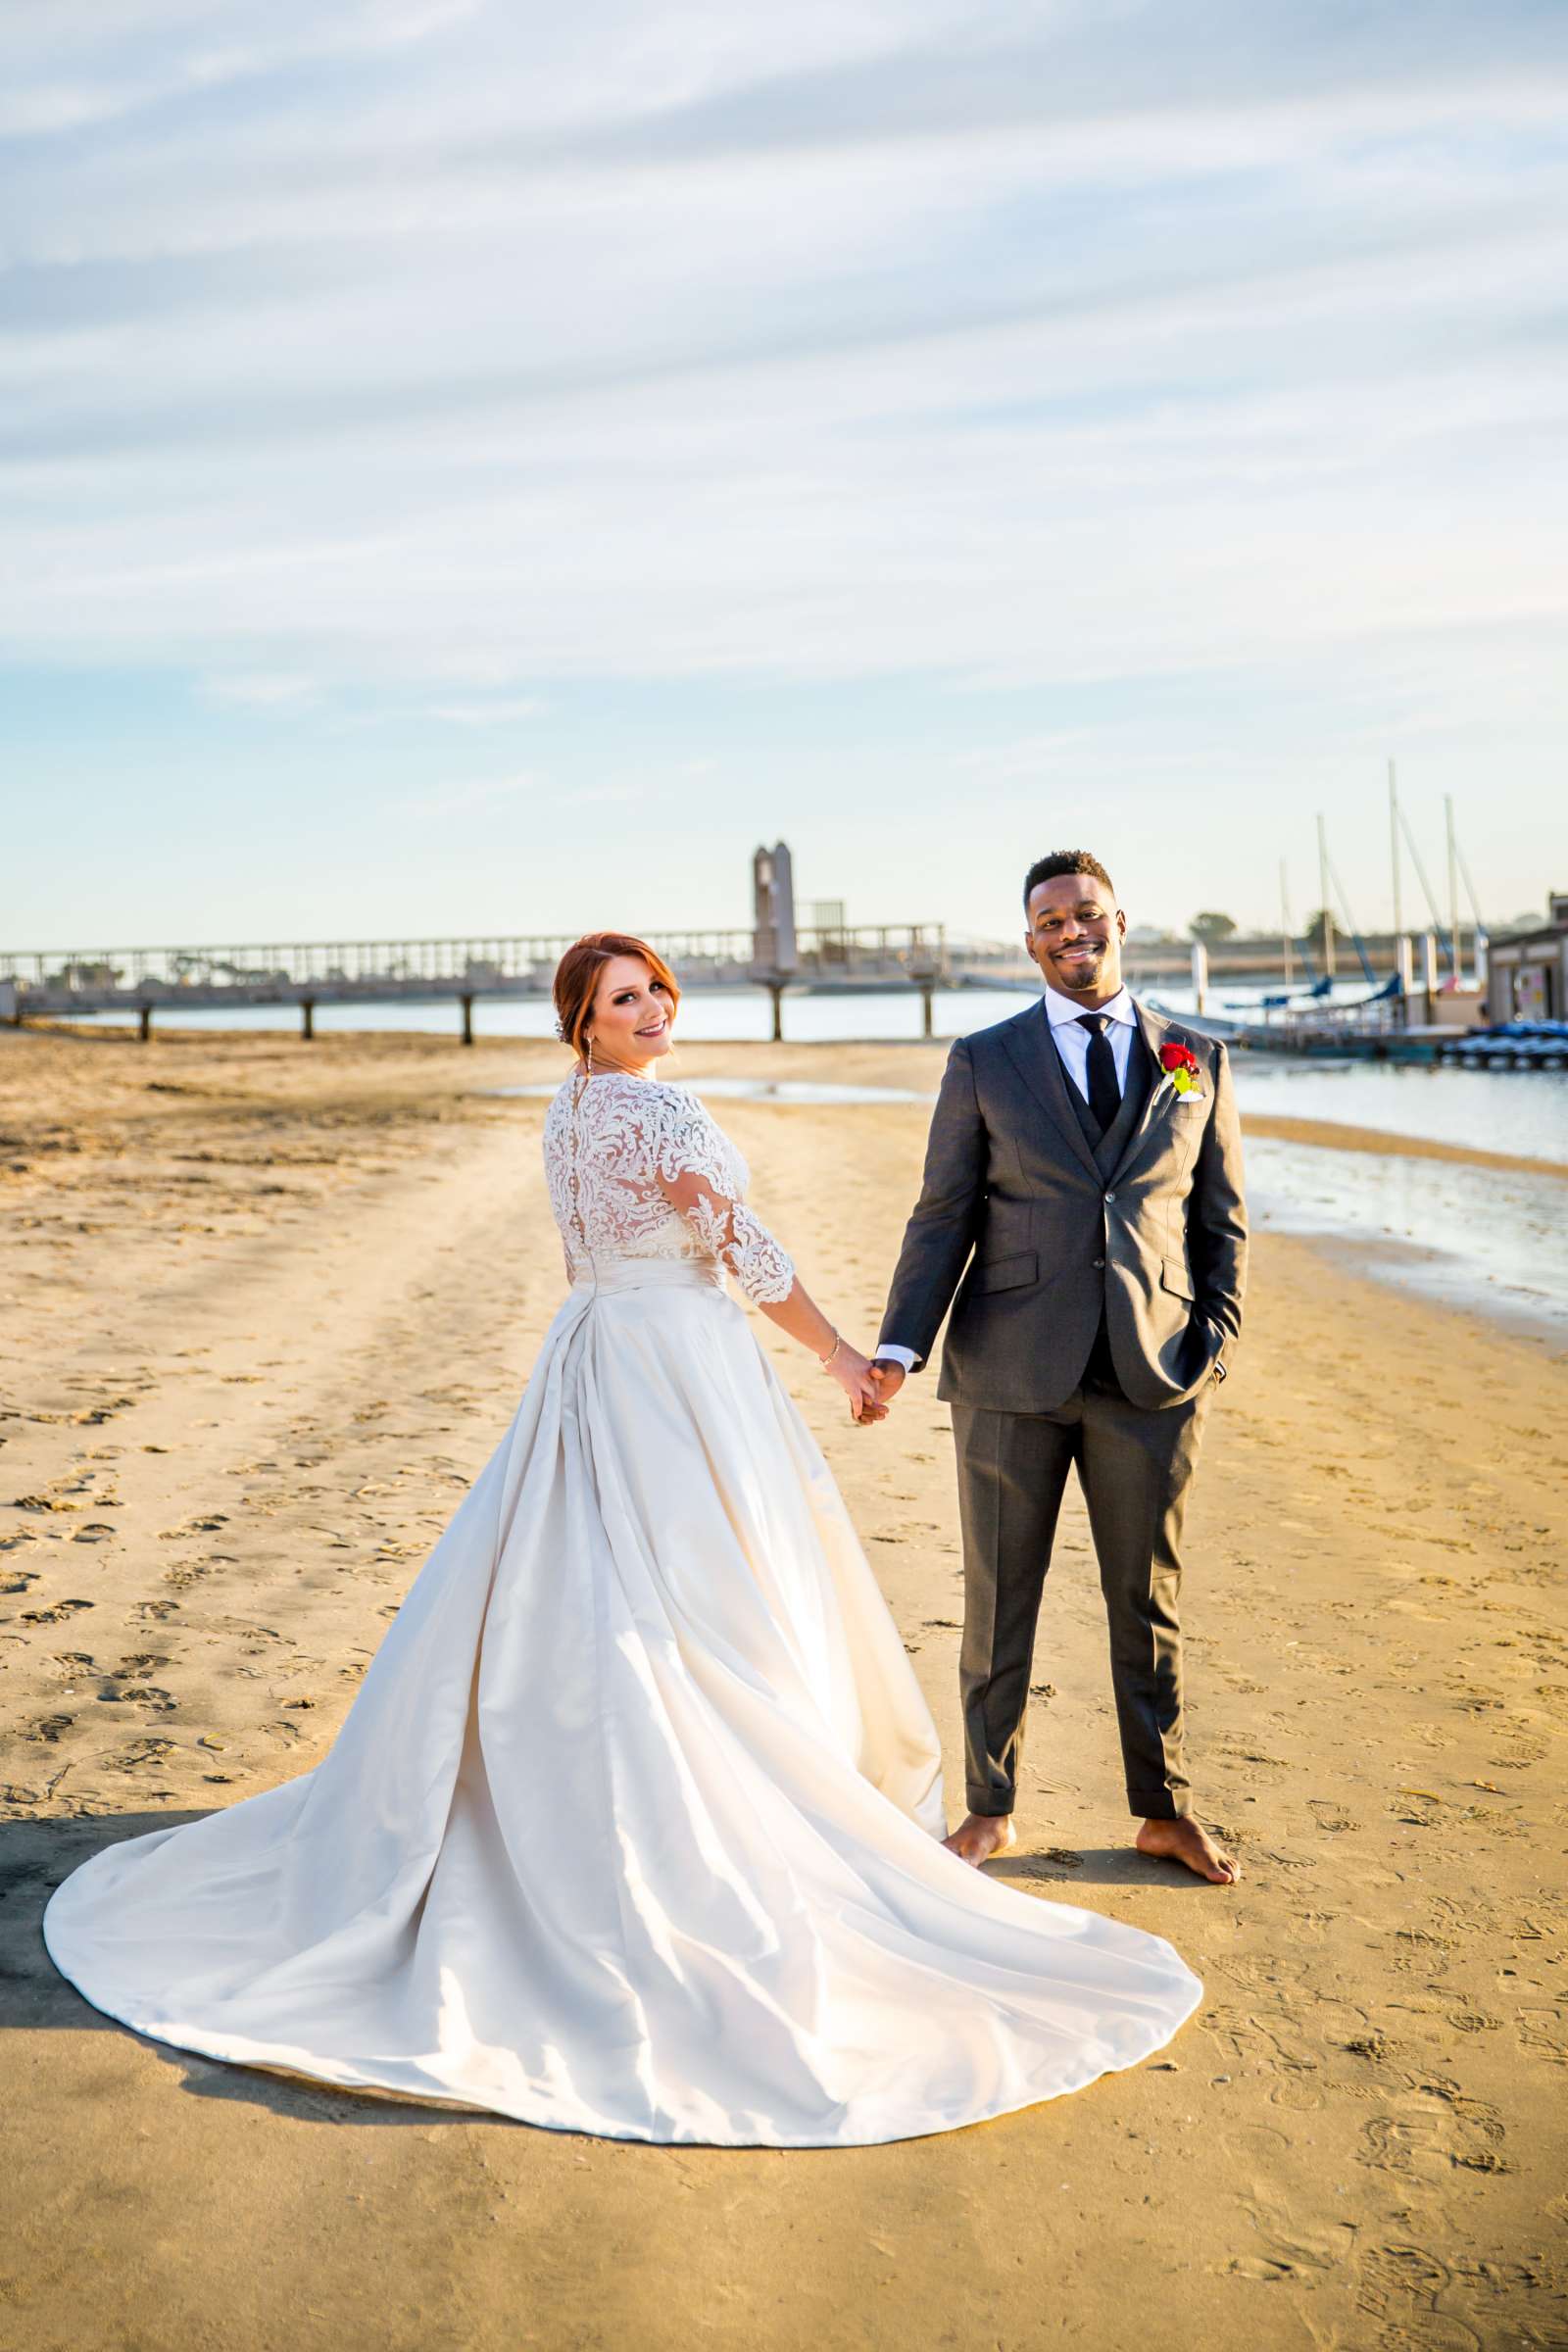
272 1310
1323 1134
1381 1142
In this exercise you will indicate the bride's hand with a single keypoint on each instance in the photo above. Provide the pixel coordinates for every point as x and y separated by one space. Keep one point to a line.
853 1372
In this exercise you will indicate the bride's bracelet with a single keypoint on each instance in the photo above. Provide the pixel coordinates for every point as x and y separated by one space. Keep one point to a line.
826 1360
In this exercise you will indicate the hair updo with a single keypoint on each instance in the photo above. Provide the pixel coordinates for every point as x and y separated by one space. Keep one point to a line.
578 979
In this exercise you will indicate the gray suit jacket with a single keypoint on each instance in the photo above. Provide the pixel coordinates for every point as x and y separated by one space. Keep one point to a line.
1029 1240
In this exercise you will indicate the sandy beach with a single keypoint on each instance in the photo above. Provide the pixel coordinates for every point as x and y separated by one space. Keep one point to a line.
269 1308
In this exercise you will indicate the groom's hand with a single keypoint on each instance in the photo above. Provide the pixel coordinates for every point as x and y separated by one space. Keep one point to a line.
889 1378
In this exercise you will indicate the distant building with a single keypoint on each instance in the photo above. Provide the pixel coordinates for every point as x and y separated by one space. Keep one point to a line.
1526 974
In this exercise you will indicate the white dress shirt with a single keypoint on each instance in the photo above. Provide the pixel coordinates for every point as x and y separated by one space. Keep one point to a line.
1072 1044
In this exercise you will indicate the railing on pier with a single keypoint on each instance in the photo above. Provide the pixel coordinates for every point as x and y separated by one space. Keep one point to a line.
523 964
143 981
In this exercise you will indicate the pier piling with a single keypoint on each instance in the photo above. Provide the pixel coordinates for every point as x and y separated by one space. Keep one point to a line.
468 1019
307 1017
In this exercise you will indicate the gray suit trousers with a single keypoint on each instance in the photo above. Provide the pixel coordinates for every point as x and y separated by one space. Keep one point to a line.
1134 1466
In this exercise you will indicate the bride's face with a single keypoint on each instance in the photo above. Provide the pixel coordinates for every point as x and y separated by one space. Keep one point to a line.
632 1017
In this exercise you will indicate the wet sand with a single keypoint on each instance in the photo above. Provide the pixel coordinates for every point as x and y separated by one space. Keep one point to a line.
268 1309
1332 1135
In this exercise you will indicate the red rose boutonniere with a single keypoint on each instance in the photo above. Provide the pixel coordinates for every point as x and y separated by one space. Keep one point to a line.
1180 1065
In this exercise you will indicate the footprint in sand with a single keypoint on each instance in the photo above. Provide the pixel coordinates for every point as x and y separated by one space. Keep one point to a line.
1268 2051
1288 2245
256 1634
1543 2031
1420 1954
1430 2129
61 1615
152 1750
144 1695
1328 1815
49 1727
1398 2285
181 1577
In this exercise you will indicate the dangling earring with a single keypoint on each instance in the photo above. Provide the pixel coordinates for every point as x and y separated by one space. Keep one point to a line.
588 1052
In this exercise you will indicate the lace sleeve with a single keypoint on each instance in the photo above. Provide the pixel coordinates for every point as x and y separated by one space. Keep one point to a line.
702 1179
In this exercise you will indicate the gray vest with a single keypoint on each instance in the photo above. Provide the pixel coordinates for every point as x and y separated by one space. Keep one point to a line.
1109 1144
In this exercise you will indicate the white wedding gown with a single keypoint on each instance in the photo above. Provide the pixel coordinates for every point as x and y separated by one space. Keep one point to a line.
634 1826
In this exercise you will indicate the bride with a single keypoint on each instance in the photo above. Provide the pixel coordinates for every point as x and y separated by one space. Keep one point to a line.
635 1826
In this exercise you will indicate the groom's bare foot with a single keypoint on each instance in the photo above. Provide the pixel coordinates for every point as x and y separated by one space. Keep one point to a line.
1186 1841
979 1835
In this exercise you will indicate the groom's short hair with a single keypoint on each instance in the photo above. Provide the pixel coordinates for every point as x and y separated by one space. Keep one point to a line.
1065 862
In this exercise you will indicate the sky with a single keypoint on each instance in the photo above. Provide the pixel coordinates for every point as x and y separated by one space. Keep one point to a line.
469 467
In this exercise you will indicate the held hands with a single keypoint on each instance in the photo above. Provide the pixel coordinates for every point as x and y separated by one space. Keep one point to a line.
890 1377
855 1377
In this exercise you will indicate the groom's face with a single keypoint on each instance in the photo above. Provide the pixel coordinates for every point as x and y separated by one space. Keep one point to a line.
1075 934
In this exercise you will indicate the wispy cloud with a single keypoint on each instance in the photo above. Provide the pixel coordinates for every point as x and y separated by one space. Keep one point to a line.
461 797
261 690
504 712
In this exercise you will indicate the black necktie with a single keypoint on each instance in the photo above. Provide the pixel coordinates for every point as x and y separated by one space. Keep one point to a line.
1104 1094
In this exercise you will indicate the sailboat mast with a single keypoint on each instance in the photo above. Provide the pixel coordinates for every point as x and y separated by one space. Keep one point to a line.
1453 890
1285 923
1324 900
1393 858
1470 889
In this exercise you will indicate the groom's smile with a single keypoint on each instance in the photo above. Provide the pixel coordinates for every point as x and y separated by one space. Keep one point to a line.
1082 956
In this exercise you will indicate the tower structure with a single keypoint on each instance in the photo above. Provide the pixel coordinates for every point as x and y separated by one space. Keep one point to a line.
775 954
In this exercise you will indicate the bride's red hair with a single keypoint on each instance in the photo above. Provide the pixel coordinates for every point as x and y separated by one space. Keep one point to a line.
578 978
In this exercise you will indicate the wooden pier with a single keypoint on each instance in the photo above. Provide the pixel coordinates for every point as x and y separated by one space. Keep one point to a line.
141 983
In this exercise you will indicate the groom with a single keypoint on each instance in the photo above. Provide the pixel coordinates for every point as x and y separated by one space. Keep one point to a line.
1082 1215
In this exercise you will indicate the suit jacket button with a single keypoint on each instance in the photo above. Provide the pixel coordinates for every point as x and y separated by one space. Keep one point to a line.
1100 1261
1111 1195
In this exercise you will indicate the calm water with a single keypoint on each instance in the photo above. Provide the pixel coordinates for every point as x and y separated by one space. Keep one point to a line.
1490 1239
742 1016
1471 1237
1523 1113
